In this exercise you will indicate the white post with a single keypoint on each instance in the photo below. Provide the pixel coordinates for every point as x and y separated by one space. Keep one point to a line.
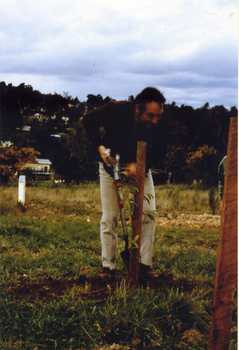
21 189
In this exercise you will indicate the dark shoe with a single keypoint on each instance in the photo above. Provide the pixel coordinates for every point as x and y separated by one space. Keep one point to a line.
146 272
107 272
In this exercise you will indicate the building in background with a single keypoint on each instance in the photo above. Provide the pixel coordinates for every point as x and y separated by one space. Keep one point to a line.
40 170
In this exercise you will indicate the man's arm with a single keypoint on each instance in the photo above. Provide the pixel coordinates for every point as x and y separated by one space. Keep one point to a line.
92 123
104 155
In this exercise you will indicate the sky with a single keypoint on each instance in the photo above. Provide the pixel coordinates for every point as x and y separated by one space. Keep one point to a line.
185 48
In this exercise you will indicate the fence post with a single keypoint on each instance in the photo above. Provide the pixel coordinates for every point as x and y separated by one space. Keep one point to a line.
21 189
226 271
53 177
138 213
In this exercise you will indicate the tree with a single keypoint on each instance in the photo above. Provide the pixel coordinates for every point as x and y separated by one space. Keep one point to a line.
12 160
176 163
82 163
94 101
202 164
10 112
194 159
74 111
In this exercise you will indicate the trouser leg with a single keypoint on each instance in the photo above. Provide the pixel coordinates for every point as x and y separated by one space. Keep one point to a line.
148 224
110 217
109 220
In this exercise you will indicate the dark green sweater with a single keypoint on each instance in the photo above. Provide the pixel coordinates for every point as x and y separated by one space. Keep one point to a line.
113 126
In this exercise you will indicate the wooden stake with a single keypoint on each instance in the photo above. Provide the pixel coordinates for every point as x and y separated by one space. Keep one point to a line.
138 213
226 271
21 189
53 177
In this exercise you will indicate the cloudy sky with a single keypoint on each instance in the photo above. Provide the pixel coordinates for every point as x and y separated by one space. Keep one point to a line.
185 48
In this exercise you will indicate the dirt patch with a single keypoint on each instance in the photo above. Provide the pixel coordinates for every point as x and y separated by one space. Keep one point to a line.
190 220
45 211
96 288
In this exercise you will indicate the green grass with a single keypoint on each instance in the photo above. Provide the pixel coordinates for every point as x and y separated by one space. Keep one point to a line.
186 253
151 319
63 250
29 246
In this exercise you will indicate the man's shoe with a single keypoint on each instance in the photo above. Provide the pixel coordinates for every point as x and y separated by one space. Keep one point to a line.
146 272
107 272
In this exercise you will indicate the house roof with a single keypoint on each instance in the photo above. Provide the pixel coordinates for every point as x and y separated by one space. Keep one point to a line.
43 161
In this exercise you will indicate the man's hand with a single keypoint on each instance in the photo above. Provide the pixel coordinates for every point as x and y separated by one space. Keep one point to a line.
105 156
130 169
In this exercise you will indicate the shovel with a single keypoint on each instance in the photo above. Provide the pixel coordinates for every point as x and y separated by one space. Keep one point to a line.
125 255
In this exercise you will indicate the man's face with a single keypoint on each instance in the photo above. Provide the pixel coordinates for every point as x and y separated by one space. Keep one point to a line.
150 117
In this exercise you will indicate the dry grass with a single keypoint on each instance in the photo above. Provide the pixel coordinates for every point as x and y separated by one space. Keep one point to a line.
83 193
183 199
169 199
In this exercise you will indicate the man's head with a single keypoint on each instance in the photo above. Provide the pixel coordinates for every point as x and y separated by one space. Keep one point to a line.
149 107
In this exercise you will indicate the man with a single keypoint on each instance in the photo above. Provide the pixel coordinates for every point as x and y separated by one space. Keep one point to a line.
125 123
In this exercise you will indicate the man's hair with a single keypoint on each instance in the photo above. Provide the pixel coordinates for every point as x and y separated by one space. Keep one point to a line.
149 94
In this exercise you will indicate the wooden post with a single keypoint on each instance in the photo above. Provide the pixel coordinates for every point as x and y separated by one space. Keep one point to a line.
138 212
226 271
53 177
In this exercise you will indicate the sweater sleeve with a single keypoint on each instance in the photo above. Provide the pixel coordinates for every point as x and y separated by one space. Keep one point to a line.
109 117
158 150
93 121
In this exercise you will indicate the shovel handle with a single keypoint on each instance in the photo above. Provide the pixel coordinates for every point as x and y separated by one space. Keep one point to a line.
120 199
118 187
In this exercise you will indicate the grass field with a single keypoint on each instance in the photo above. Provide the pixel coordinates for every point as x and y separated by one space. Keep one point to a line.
53 298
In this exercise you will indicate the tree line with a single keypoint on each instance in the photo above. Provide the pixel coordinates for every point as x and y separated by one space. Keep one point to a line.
51 125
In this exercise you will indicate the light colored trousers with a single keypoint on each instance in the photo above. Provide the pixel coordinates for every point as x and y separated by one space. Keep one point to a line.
110 217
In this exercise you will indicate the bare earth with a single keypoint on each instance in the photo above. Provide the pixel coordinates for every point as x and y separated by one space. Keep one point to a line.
190 220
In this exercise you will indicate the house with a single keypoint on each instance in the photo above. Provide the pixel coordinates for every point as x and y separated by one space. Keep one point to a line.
26 128
40 170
